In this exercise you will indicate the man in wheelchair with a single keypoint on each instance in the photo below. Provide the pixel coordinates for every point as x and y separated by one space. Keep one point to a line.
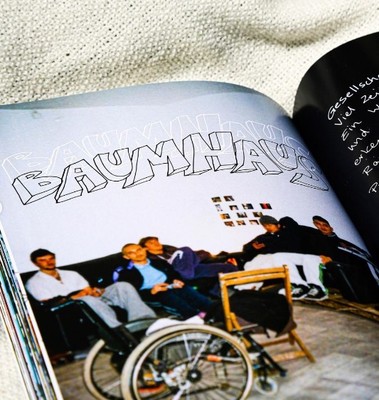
178 361
49 283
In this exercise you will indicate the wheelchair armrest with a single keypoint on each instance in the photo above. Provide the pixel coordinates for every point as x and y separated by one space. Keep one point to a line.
56 303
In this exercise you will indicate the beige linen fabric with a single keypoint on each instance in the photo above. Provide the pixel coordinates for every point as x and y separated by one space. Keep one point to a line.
61 47
54 48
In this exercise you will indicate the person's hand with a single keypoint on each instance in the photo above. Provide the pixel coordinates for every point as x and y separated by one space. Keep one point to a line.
258 246
232 261
87 291
325 259
177 284
97 292
159 287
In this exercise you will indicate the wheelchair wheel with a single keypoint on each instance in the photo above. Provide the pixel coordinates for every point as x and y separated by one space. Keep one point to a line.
192 362
102 370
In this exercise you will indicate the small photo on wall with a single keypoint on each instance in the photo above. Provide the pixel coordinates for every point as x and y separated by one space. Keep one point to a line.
229 198
219 208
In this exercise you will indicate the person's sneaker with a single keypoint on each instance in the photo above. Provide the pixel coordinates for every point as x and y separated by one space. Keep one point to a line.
316 293
299 292
147 391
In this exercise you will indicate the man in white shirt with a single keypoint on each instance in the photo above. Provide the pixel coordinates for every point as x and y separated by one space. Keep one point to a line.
49 282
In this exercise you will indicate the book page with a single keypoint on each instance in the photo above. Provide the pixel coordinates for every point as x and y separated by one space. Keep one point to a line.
196 164
337 112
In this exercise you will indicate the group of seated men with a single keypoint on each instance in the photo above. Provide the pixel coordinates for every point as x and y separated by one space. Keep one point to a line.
153 273
287 242
137 282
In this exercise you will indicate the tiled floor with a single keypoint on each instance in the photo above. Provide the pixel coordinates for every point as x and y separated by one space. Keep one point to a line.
346 348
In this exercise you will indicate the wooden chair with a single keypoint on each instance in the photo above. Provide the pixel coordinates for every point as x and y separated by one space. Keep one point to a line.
261 275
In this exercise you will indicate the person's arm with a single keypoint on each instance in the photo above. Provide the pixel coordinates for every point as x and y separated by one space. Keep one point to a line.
159 287
253 247
258 245
163 287
177 284
325 259
354 249
88 291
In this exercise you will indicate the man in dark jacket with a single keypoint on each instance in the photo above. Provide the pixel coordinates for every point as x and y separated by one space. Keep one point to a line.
280 236
281 245
157 281
198 268
350 268
332 245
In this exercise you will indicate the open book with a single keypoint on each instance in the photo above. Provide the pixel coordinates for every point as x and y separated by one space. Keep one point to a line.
196 164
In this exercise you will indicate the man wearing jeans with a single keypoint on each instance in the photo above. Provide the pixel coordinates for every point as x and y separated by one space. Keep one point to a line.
157 281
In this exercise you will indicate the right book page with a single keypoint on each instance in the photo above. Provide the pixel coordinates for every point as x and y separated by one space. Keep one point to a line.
337 112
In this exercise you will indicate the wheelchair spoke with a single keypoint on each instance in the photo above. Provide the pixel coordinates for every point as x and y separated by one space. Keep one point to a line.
190 364
200 351
102 372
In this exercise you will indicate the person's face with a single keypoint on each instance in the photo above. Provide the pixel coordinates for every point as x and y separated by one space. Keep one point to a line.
135 253
46 262
271 228
323 227
154 246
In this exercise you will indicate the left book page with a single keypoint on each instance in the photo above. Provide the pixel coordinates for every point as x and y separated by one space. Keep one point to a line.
193 163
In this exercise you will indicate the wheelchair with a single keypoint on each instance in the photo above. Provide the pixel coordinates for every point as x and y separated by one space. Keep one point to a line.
181 361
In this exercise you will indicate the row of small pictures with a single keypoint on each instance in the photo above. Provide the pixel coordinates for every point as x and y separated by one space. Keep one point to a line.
240 222
256 214
220 199
243 206
234 207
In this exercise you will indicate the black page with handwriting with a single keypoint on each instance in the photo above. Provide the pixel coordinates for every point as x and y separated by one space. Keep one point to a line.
337 112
